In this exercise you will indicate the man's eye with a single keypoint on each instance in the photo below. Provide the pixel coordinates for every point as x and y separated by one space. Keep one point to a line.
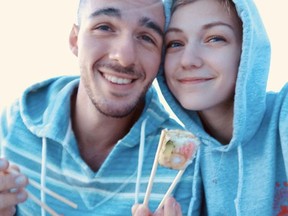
103 28
147 39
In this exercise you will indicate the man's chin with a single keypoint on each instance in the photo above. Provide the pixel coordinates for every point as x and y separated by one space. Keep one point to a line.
116 112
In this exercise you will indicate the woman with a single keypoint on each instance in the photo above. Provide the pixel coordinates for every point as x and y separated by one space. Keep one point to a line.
216 69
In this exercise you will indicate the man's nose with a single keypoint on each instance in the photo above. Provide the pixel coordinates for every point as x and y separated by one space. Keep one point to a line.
124 51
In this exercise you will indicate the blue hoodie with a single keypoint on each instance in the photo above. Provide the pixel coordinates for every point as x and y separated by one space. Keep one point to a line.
36 135
249 176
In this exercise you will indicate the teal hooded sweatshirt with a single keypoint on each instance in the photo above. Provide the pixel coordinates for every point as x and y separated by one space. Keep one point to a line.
249 175
36 135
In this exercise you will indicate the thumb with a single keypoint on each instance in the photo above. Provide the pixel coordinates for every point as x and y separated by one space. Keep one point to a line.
134 208
140 210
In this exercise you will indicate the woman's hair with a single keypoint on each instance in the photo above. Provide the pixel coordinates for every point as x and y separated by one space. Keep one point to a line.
228 4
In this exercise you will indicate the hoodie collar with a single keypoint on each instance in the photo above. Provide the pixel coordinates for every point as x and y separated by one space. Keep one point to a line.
45 107
250 91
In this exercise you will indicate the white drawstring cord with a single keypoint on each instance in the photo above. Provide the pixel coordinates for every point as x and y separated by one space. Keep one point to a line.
43 172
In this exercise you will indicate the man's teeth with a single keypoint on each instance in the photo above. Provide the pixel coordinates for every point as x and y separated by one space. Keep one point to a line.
117 80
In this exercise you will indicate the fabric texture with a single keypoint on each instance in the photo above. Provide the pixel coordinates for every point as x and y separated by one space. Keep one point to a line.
36 135
248 176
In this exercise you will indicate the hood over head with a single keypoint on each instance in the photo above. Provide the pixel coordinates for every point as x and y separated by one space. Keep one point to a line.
250 90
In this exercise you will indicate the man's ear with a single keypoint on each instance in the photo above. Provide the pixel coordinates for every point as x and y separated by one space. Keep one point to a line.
73 39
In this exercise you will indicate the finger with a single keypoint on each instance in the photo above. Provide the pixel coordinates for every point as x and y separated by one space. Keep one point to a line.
134 208
8 200
16 168
8 212
172 208
12 180
3 164
140 210
178 209
159 212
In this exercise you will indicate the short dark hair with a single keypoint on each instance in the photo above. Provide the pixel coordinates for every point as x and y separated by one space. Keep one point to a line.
81 5
79 10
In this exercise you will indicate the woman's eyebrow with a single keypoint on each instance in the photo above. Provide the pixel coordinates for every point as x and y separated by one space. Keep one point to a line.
217 23
205 27
172 30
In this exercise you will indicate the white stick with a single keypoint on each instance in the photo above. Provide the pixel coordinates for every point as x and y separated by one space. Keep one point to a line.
43 205
53 194
140 161
171 188
153 171
48 191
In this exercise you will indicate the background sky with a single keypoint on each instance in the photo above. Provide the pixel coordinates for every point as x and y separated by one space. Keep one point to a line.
34 42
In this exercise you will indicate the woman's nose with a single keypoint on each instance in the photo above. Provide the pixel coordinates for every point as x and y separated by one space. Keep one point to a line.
191 57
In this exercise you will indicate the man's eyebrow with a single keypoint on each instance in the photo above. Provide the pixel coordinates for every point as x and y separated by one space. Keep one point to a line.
107 12
147 22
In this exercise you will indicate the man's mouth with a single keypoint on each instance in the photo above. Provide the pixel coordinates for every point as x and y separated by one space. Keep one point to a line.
117 80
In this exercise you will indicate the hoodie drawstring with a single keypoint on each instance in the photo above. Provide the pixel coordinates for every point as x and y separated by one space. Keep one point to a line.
195 182
43 172
240 181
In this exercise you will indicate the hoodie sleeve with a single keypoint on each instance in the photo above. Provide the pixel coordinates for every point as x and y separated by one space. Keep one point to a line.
5 120
3 129
283 126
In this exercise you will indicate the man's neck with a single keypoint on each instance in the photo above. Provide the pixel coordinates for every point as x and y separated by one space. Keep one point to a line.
96 133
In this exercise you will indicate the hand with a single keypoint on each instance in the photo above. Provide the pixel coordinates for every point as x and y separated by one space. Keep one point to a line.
11 188
170 208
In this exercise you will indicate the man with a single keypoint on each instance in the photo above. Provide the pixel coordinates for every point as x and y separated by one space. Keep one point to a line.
80 137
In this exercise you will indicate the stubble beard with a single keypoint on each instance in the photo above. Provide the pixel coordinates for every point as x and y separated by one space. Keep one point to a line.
106 108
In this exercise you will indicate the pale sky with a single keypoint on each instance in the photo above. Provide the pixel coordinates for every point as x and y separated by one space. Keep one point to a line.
34 42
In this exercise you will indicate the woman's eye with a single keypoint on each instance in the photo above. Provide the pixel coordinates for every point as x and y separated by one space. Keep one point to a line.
173 44
216 39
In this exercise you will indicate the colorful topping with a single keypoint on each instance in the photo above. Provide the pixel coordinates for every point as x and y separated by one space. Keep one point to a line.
178 148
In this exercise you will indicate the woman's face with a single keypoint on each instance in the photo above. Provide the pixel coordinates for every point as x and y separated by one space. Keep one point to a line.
203 48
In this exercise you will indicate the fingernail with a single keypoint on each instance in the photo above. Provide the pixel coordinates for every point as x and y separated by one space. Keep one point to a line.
21 196
2 163
174 203
20 180
13 190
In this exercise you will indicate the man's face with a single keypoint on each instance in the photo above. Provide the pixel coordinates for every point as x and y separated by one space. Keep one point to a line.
119 45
